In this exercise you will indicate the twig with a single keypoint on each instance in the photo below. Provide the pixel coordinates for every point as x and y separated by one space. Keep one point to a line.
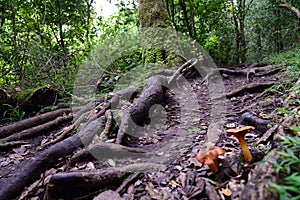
190 63
104 134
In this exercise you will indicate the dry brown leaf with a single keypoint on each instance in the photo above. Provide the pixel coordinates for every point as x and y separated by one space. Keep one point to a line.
226 191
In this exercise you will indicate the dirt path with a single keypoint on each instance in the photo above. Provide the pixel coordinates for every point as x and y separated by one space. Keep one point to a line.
184 177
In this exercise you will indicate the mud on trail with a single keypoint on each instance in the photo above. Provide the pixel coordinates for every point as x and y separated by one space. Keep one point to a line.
158 162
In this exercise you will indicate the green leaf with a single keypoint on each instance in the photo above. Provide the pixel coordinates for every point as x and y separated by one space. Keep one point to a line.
111 162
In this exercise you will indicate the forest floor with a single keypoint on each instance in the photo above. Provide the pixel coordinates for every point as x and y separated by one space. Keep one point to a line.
183 177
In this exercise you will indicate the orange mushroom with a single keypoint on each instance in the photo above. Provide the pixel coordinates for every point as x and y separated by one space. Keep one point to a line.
240 133
210 157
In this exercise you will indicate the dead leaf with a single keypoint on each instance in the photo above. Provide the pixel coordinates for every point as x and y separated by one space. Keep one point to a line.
175 183
226 191
111 162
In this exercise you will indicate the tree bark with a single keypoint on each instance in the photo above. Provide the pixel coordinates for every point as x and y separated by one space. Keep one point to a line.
185 17
78 184
39 129
31 122
159 40
29 171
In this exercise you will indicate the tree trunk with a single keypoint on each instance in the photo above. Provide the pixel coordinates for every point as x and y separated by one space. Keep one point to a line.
193 20
237 34
15 52
296 26
61 35
185 17
277 31
159 40
241 17
87 34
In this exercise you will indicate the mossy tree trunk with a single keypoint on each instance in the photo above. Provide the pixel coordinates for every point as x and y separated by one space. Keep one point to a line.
160 42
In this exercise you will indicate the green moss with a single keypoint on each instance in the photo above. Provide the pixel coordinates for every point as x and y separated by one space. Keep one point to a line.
160 42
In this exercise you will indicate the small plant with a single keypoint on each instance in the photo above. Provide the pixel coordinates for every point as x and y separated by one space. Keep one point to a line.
290 165
283 111
13 114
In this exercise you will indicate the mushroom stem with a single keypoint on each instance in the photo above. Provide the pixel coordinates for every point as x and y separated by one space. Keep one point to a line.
245 149
210 157
240 133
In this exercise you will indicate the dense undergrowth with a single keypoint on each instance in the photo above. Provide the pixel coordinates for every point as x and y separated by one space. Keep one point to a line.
289 167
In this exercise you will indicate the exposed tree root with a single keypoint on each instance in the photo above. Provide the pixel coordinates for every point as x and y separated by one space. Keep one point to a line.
65 131
249 119
71 185
29 171
251 88
112 150
31 122
83 184
108 126
38 129
8 145
266 137
135 113
255 69
269 73
258 104
138 112
130 180
190 63
127 93
109 194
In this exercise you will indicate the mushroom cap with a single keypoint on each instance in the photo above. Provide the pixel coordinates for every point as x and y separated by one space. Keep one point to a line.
209 155
238 131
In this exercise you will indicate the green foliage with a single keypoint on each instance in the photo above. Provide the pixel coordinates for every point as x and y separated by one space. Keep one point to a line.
48 42
283 111
269 29
43 42
116 51
292 60
290 165
218 26
13 114
291 56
